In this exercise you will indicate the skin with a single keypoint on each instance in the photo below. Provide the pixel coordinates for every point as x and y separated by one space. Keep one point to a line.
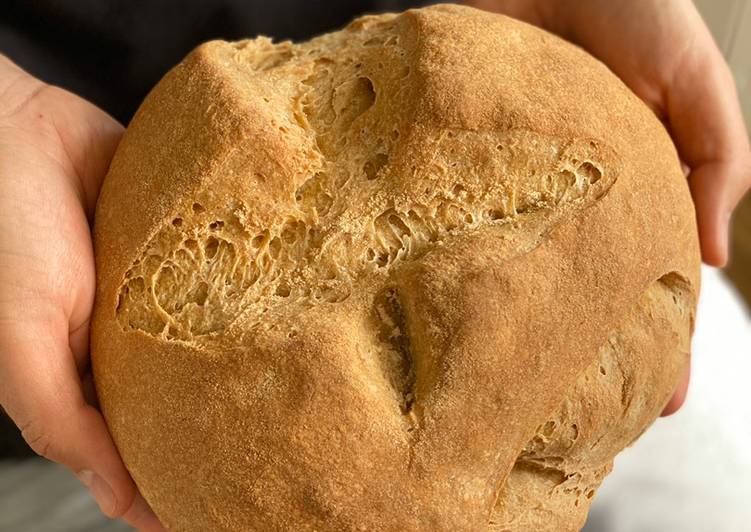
55 149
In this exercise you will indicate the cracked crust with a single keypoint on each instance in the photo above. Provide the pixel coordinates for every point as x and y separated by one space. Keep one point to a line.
430 272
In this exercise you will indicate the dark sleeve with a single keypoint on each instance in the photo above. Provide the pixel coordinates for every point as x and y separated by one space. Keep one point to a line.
112 52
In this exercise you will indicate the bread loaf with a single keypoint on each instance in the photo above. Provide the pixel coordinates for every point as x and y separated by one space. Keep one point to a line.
430 272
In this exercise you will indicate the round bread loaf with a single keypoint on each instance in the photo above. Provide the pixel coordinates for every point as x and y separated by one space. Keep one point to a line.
430 272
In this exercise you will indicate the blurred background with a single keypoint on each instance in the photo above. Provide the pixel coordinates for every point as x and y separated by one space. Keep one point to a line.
689 473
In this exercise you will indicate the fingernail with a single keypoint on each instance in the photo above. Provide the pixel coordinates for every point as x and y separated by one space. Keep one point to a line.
100 490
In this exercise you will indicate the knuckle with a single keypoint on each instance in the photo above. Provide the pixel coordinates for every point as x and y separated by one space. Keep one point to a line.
39 439
21 99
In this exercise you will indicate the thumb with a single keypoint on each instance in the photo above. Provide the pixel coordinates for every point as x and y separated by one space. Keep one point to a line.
679 395
713 209
42 394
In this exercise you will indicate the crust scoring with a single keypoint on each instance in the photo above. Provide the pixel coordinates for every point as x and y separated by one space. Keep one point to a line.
430 272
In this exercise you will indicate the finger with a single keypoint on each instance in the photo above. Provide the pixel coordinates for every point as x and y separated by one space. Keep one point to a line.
89 139
707 126
41 393
139 515
711 214
717 189
78 340
679 396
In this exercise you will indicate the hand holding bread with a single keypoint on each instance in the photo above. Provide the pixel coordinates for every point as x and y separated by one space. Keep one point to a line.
54 152
663 51
234 235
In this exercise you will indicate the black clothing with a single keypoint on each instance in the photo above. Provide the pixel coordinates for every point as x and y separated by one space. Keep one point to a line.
111 52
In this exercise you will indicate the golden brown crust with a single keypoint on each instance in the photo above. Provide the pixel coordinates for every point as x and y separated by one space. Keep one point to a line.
345 285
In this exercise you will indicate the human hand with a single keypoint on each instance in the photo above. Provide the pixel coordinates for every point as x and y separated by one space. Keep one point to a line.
54 151
664 52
